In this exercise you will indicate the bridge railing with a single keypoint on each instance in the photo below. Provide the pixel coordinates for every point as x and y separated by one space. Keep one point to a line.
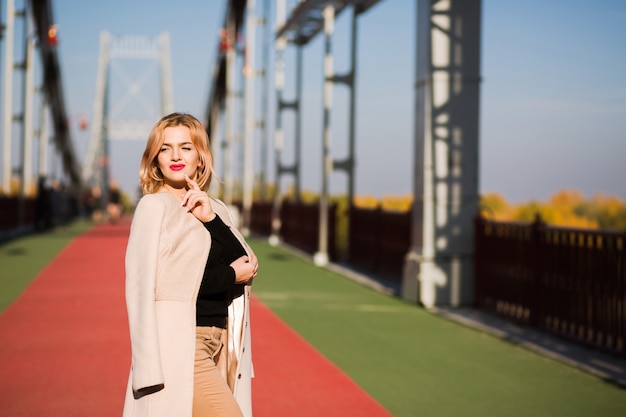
299 224
13 212
20 215
379 240
569 282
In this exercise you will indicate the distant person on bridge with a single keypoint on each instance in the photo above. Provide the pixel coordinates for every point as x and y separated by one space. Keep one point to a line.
43 205
188 278
114 206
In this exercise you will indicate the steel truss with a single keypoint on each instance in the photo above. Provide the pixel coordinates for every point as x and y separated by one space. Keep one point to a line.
38 21
118 121
438 268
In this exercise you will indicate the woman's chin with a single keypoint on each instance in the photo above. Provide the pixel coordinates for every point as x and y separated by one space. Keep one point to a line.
176 183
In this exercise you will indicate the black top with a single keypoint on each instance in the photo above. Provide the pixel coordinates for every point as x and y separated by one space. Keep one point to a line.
219 276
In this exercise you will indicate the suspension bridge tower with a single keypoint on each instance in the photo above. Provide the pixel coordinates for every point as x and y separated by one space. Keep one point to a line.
133 90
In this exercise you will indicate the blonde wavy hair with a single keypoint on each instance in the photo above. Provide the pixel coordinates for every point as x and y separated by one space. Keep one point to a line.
151 177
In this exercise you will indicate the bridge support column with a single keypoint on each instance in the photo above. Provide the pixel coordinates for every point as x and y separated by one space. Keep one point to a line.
27 183
285 105
7 126
229 114
321 256
250 74
439 266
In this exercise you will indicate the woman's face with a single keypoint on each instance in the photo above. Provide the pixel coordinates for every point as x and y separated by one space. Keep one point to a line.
177 156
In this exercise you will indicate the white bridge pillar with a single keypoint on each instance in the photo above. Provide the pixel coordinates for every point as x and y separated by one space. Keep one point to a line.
439 266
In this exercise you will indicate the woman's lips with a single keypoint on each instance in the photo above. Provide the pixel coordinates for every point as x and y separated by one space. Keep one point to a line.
177 167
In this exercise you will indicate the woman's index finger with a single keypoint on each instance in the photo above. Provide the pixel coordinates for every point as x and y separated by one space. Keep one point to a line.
194 185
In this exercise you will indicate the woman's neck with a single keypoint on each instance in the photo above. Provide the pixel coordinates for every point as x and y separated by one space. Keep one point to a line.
176 191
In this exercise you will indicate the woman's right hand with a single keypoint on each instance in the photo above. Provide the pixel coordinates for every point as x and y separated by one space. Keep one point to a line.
245 268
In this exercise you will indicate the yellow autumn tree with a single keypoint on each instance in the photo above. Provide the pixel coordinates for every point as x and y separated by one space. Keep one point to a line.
563 210
397 202
567 208
366 201
495 207
608 211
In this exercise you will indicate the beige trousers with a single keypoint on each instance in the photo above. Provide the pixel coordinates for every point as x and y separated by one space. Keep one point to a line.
212 396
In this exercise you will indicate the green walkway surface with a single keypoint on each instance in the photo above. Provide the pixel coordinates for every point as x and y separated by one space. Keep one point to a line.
415 363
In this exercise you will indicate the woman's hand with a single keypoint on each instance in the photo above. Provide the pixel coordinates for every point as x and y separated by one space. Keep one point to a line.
197 201
245 268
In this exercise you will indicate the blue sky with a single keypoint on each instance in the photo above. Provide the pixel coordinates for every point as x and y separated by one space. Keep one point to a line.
553 96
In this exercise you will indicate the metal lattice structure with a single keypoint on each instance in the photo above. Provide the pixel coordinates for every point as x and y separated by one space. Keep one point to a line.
438 265
39 20
130 114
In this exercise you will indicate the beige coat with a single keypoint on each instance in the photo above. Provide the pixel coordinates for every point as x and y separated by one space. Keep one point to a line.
165 260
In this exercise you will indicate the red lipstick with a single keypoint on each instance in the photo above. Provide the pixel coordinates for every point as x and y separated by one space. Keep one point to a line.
177 167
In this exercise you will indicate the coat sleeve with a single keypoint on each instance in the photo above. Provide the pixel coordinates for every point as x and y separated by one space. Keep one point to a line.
141 269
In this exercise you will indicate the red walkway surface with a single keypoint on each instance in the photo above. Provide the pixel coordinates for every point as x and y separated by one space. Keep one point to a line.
64 348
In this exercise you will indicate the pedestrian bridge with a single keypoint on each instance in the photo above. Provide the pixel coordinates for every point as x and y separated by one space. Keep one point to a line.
324 342
428 256
437 265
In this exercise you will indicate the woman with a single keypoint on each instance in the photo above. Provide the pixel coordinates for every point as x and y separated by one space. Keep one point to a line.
188 276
